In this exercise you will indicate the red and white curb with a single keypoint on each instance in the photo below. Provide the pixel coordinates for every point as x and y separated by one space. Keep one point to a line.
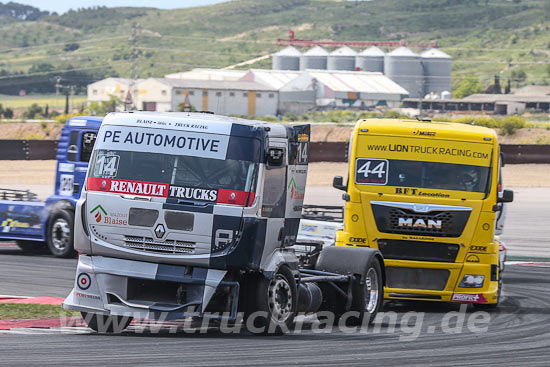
542 264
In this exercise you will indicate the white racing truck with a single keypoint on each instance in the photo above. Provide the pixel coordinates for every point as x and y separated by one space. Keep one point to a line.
196 215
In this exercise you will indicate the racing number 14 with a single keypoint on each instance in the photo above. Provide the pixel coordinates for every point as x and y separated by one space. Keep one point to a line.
107 165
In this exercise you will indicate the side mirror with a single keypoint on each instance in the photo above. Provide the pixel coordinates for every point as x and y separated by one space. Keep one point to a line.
507 196
337 183
275 156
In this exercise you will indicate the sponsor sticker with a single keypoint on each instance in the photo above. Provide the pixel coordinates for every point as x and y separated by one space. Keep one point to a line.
357 240
83 281
303 137
478 248
470 298
163 141
371 171
473 259
102 217
131 187
417 192
87 296
309 228
424 133
296 191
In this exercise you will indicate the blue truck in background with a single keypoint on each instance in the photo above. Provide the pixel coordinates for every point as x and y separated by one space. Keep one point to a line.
34 224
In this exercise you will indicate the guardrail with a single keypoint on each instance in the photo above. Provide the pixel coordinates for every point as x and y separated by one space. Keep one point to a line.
318 151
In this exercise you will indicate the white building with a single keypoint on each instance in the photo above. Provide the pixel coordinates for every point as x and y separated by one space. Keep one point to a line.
339 89
219 96
255 92
103 90
208 74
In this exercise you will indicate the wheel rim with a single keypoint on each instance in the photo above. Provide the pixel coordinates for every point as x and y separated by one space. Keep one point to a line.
61 234
280 298
371 291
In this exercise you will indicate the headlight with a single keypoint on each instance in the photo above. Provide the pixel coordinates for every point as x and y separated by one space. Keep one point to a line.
472 281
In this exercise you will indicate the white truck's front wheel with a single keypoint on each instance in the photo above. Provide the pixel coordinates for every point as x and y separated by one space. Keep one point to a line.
274 305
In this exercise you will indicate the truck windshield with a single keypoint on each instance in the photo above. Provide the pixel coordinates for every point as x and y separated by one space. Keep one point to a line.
419 174
175 170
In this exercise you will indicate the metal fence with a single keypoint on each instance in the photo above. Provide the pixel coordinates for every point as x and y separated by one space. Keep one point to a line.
318 152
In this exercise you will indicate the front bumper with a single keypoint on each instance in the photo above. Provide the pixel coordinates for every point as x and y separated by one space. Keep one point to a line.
432 281
139 289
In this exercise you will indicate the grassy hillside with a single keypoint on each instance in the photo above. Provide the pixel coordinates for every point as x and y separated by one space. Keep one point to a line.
485 37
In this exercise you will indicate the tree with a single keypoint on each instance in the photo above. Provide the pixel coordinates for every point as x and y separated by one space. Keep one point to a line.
102 108
8 113
519 76
71 46
33 111
469 85
497 89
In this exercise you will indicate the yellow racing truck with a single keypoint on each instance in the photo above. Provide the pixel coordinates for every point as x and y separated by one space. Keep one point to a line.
427 195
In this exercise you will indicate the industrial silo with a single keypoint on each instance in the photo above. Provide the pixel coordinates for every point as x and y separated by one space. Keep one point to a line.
437 71
287 59
404 67
342 58
314 58
371 59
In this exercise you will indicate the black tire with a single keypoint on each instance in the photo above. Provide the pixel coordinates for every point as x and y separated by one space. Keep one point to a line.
274 303
32 247
361 263
60 233
106 324
368 295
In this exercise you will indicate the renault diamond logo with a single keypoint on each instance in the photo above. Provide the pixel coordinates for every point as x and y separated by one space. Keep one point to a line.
160 231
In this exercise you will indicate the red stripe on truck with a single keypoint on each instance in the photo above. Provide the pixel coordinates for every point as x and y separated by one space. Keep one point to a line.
235 197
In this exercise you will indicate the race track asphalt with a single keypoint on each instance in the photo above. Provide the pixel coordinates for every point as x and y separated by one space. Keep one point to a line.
516 334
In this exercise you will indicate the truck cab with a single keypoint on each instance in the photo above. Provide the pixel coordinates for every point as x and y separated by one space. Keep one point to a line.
427 195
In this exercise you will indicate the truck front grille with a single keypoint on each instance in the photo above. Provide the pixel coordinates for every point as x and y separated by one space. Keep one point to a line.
439 223
418 251
147 244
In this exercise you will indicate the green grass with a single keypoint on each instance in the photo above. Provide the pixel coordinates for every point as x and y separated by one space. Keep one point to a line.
51 100
17 311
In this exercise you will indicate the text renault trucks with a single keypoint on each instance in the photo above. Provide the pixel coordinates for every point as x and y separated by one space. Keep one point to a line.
193 214
426 194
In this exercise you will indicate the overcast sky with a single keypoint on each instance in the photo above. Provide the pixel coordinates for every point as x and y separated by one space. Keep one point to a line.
61 6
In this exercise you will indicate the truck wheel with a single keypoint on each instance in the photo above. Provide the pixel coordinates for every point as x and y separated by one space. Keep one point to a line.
60 233
368 297
106 324
32 247
276 301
